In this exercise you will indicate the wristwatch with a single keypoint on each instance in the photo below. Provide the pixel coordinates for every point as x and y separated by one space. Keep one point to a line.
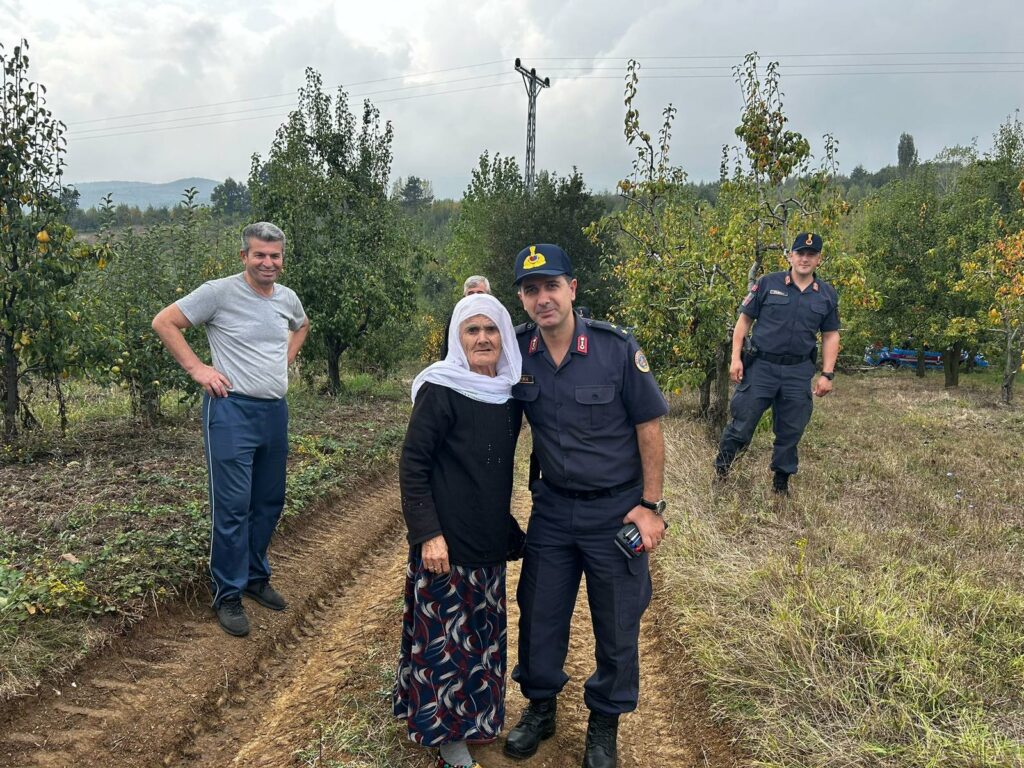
828 375
657 507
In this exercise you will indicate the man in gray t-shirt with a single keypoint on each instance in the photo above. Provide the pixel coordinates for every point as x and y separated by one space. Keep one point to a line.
255 328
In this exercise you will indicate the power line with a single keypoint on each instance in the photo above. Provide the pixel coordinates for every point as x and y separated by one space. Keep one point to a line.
821 74
289 93
284 106
263 117
558 58
118 130
740 57
808 66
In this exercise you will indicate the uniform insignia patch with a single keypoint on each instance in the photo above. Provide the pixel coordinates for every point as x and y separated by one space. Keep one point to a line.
534 260
526 378
581 344
533 344
750 298
754 287
815 286
775 292
640 359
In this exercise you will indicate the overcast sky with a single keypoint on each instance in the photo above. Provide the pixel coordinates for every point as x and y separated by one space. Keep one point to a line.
149 64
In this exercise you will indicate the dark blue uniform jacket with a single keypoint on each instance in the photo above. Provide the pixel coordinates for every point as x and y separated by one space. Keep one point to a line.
788 319
583 414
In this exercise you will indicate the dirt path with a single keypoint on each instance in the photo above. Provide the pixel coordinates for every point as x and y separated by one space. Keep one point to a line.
180 692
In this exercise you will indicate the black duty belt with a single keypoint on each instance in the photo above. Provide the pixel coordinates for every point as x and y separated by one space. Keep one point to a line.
596 493
781 359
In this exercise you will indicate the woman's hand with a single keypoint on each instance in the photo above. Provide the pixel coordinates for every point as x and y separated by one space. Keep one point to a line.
435 555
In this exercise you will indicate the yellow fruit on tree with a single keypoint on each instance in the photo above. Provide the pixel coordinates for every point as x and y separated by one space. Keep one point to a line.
43 236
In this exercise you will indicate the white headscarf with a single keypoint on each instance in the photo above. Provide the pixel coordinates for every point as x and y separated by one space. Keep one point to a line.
453 372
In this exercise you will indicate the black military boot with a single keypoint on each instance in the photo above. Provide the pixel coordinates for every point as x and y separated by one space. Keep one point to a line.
601 736
780 483
536 724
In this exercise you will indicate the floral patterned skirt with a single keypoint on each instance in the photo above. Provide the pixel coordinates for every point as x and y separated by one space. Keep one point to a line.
451 669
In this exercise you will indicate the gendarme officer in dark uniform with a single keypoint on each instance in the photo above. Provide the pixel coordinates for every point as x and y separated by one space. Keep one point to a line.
787 311
595 413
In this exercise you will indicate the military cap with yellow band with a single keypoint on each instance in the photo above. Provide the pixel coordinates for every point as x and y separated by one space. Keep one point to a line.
542 259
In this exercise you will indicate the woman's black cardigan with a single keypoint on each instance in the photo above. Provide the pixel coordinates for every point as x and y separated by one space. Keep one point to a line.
456 474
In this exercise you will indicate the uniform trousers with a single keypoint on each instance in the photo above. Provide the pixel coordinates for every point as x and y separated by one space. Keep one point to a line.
565 539
246 442
786 389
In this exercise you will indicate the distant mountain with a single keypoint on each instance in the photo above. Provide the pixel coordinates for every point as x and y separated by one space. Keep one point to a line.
141 193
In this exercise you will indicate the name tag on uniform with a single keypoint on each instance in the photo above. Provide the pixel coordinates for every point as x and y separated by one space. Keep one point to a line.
774 292
526 378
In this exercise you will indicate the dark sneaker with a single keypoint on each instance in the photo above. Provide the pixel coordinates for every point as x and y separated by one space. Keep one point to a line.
780 483
266 595
602 732
232 618
536 724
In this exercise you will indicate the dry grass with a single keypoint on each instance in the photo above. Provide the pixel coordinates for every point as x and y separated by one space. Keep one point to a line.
876 618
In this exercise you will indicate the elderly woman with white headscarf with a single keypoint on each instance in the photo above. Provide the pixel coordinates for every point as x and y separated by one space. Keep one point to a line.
456 479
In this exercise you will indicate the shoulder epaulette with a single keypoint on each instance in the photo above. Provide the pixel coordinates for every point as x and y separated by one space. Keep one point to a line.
524 327
604 325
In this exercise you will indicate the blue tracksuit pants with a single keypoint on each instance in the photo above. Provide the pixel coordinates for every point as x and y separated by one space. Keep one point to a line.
246 443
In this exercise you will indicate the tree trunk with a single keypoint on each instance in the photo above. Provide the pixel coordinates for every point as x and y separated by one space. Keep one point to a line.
720 404
969 362
334 350
1010 367
62 406
10 387
920 363
150 402
951 365
704 396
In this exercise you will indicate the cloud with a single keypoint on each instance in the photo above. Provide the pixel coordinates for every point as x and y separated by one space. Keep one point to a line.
106 59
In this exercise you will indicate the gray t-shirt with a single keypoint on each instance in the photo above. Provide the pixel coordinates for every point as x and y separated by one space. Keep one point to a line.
248 332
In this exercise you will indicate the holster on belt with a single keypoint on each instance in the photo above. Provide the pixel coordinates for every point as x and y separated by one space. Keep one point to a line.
747 354
534 470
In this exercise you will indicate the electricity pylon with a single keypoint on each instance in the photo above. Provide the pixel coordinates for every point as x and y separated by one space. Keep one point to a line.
533 85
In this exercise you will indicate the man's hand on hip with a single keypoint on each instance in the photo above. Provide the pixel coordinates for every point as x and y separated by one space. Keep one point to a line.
210 379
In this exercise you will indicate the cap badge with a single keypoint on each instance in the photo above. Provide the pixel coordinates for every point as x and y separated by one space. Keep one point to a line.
640 360
809 240
534 260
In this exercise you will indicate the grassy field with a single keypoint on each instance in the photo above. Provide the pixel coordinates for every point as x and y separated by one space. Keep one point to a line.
100 527
875 618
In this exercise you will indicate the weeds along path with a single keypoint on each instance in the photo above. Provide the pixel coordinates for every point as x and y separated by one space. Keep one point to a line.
310 686
151 697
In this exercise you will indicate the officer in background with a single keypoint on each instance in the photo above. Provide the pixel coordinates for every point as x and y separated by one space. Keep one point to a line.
598 459
787 311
